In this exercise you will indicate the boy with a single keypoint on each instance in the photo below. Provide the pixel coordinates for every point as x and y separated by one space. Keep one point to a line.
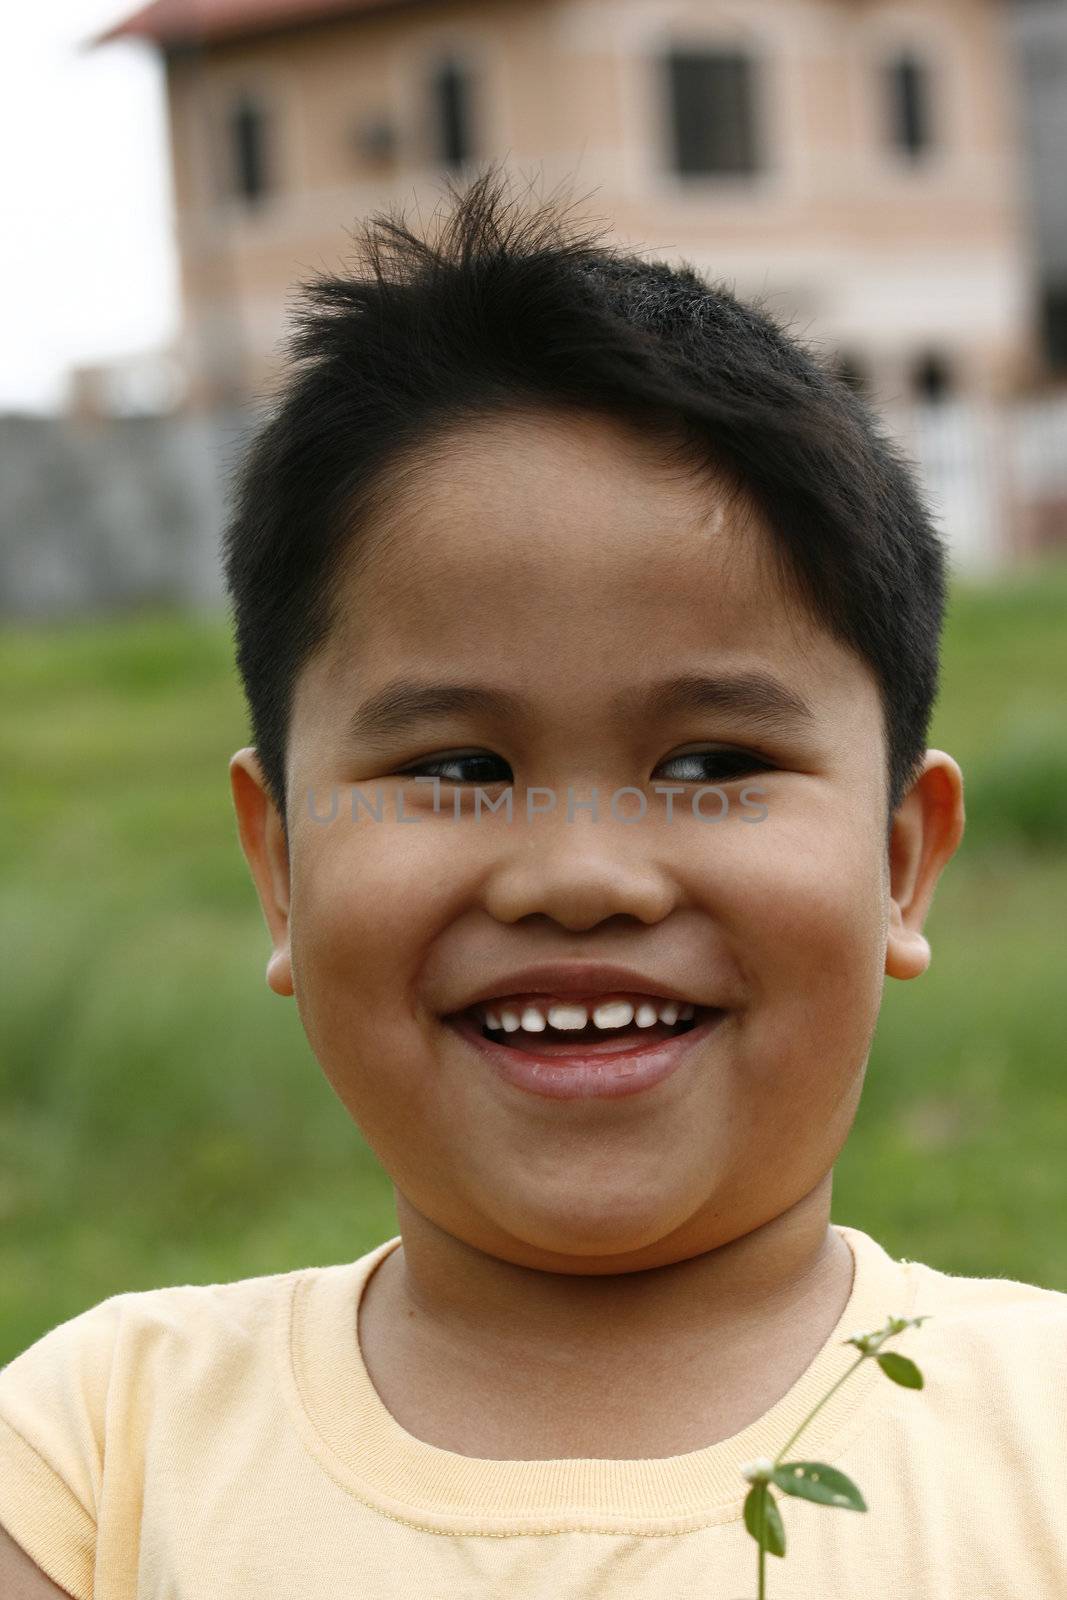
644 599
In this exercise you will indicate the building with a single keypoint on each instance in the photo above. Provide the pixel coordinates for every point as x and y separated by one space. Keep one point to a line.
857 165
1040 28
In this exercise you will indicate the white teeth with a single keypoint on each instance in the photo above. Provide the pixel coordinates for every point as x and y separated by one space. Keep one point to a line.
568 1016
574 1016
615 1014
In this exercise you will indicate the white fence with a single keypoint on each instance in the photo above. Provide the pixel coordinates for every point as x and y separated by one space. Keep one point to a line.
995 475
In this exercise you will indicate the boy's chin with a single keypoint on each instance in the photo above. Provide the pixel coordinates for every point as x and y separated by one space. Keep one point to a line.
585 1240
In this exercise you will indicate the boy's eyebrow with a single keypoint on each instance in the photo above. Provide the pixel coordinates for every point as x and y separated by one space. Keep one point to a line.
757 696
405 702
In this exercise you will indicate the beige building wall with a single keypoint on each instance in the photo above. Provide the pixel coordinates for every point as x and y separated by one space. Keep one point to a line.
858 249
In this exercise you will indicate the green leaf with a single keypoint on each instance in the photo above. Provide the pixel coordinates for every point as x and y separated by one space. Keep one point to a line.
814 1480
753 1500
901 1370
758 1502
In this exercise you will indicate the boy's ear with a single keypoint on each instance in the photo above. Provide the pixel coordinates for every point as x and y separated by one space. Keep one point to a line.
927 828
265 849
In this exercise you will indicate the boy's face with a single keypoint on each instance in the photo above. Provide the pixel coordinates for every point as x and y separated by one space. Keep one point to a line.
559 561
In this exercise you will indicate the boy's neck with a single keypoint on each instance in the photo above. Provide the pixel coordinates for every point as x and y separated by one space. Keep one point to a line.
485 1358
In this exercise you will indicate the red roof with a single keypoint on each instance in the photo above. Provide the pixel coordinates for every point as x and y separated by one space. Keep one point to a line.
176 22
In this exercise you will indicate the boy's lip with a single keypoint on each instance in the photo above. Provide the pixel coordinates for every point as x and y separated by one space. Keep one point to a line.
583 1076
587 980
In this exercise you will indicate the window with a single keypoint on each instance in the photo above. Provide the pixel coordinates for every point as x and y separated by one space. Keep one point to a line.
374 138
248 148
451 102
932 378
712 112
908 84
1054 324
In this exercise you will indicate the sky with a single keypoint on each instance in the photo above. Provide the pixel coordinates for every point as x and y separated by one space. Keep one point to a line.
88 268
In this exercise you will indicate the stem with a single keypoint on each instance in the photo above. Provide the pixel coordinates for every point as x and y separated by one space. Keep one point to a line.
822 1402
762 1569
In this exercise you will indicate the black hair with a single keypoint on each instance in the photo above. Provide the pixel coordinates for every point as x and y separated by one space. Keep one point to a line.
507 307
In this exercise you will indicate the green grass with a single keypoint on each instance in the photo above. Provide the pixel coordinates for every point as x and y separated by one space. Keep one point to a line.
162 1118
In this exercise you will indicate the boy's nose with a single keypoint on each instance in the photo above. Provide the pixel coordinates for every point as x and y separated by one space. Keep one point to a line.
578 882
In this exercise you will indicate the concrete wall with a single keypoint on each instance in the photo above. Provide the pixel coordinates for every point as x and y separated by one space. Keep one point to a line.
111 513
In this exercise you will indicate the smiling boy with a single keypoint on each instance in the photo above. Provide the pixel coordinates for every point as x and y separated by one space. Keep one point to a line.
533 518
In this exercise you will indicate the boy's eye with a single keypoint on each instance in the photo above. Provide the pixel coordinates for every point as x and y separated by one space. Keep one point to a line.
709 766
439 765
701 766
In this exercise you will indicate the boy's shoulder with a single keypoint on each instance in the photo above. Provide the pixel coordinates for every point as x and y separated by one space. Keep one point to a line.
166 1369
989 1324
169 1306
954 1292
153 1357
985 1298
170 1324
1002 1330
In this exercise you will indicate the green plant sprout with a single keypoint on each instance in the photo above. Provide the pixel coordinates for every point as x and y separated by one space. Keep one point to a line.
814 1480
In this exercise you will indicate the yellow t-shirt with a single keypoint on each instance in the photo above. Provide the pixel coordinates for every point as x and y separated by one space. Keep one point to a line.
224 1442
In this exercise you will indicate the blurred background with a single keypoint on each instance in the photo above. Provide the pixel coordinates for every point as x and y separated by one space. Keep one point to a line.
887 178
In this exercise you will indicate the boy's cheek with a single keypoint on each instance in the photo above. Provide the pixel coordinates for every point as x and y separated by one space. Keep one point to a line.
801 908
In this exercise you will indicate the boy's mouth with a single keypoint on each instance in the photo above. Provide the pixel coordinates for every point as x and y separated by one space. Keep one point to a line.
558 1029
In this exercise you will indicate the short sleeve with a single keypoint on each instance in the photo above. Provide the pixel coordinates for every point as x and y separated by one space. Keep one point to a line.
53 1404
